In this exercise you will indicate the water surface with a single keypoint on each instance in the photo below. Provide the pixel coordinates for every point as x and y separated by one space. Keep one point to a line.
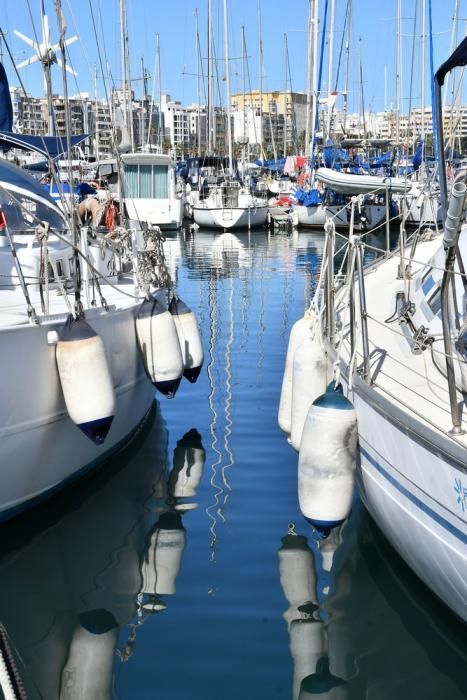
179 569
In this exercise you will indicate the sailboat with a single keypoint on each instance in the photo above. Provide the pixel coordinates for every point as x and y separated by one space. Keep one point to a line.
229 205
77 342
400 354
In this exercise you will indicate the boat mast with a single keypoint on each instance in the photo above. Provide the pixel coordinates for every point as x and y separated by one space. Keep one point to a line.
143 103
227 86
158 55
244 139
285 96
330 66
125 58
210 85
198 83
347 66
453 43
314 89
260 56
96 114
309 72
398 71
423 79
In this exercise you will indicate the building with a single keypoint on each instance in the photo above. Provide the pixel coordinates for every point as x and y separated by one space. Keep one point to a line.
276 119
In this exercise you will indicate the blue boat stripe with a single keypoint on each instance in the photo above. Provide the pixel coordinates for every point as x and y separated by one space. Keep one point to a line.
462 536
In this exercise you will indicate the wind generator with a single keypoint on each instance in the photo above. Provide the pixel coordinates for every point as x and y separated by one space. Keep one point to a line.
46 54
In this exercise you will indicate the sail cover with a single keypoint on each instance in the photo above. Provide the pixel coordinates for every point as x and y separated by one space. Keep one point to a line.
49 146
457 58
6 108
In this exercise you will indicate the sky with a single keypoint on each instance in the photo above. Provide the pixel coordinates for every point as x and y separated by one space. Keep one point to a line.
373 45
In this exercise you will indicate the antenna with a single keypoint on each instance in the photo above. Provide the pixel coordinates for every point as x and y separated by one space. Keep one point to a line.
45 53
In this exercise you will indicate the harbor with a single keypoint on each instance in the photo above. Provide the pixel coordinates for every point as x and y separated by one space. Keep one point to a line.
234 605
234 340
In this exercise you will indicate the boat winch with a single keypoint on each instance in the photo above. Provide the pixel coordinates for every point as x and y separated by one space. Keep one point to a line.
159 345
85 378
327 459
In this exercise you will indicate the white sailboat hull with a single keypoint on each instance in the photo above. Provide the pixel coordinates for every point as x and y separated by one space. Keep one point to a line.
230 218
316 216
41 447
410 489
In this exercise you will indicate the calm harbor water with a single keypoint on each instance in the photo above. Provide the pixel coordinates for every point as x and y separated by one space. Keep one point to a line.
179 570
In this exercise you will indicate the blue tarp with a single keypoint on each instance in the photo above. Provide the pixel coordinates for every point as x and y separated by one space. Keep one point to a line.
333 155
274 165
49 146
418 155
310 198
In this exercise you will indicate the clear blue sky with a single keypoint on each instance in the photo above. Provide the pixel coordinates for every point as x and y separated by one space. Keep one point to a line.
374 21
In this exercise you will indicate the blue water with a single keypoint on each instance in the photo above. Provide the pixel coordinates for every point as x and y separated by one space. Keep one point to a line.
145 581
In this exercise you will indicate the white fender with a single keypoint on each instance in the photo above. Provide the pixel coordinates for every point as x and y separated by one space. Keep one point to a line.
327 459
85 379
163 556
188 464
159 346
189 339
88 670
300 330
308 382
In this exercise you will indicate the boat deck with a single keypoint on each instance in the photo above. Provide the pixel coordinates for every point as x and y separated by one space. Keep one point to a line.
13 309
410 381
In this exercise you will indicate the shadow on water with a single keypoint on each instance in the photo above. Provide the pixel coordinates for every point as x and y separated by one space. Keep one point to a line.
360 622
80 576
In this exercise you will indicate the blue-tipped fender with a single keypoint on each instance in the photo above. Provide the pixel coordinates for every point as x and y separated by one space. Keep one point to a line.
327 459
158 342
85 378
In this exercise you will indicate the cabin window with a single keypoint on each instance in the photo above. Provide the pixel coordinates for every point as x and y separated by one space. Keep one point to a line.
147 181
22 214
427 284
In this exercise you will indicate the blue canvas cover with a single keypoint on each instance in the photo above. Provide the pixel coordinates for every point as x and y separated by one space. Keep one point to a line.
310 198
49 146
6 108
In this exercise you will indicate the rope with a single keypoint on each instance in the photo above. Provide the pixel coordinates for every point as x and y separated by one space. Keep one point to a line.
10 680
42 235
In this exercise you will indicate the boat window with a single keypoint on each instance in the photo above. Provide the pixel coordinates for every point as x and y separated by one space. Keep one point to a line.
22 213
427 284
147 181
425 274
434 302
